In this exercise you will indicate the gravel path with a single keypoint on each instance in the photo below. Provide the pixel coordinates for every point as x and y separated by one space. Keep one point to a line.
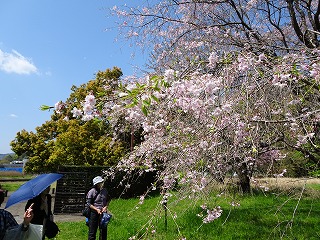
17 210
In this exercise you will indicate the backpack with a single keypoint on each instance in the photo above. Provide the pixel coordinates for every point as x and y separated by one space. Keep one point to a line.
51 229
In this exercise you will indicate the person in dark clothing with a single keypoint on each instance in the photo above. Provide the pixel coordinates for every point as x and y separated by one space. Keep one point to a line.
2 195
97 201
41 209
9 228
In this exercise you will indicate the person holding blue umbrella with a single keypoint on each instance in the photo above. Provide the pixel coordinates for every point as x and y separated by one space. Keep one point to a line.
43 214
36 191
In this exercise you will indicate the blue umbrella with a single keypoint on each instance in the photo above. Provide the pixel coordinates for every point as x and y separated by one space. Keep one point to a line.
33 188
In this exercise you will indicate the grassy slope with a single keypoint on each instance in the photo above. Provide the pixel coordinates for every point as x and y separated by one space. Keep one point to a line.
278 214
257 217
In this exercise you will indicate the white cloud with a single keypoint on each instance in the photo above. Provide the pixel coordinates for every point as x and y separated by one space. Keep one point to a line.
16 63
13 115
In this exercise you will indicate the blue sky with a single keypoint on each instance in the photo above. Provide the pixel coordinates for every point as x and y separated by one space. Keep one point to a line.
46 47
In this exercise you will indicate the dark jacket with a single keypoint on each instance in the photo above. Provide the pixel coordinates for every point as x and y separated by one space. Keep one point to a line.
39 214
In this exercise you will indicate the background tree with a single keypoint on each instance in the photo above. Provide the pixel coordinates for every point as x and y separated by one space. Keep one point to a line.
61 141
7 158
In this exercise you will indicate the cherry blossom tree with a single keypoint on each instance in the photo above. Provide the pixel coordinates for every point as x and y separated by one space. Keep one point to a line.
250 62
231 85
200 127
217 123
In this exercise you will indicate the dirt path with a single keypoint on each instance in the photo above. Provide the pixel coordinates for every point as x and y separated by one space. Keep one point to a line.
17 210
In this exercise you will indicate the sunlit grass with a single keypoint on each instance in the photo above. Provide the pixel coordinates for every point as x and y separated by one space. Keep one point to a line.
14 175
11 186
259 216
289 210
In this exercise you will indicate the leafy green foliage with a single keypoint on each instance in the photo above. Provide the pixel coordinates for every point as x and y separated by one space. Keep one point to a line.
9 158
65 140
298 165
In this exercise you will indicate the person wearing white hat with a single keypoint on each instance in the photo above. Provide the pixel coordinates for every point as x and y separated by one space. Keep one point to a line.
97 201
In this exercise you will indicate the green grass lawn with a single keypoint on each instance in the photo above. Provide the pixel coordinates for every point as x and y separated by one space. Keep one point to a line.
11 186
281 214
258 217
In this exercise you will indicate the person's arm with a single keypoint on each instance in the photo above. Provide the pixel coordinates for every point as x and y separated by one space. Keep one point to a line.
9 220
28 204
95 208
27 217
20 231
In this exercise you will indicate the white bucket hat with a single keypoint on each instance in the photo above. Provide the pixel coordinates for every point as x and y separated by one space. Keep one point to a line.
97 180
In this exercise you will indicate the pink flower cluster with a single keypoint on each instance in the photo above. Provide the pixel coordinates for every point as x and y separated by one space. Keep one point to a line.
212 215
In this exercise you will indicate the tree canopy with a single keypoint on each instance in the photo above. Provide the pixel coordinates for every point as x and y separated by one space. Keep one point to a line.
182 33
64 140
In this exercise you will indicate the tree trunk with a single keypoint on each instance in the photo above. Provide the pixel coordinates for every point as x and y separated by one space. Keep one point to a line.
244 179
